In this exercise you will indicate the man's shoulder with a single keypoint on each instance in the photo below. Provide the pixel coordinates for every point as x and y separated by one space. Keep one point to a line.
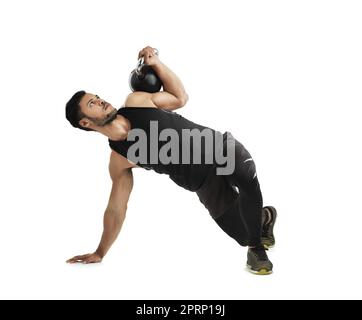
139 99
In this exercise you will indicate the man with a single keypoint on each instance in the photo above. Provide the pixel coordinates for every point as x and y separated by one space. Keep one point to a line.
233 197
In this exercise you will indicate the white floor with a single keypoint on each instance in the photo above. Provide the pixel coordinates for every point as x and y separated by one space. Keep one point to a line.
283 77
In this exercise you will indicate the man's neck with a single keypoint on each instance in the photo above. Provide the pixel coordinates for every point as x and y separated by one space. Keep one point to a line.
117 130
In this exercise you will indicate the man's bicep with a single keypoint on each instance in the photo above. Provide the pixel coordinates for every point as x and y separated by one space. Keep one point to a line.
167 101
162 100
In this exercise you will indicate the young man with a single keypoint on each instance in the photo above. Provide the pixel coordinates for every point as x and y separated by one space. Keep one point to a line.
189 153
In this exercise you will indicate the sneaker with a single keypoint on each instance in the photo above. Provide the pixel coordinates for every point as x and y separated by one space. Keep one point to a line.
258 262
267 235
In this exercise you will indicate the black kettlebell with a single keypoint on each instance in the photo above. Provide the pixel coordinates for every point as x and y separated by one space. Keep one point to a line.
144 78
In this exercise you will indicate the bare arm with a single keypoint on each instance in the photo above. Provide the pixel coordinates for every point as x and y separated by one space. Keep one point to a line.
174 95
115 213
172 85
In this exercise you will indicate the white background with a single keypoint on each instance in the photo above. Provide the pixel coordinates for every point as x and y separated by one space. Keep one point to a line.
283 76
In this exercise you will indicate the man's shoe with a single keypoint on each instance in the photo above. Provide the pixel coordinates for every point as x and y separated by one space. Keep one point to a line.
258 262
269 217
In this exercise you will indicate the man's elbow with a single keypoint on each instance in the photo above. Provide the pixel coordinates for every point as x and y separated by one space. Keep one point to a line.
183 100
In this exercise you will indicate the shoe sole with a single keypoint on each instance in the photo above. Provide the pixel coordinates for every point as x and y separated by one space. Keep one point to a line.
272 223
261 272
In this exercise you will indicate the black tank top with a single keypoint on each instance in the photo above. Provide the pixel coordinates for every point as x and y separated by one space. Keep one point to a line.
187 175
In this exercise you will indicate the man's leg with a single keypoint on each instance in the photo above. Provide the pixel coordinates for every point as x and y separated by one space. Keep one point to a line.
223 204
251 204
250 196
221 200
232 224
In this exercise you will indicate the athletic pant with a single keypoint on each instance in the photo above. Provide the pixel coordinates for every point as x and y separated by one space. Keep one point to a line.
235 201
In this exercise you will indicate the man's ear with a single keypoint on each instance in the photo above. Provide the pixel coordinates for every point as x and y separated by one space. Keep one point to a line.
86 123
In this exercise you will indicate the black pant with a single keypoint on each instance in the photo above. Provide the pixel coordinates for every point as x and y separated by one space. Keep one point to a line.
237 212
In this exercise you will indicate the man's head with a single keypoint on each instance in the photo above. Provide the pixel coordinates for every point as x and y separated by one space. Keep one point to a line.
87 111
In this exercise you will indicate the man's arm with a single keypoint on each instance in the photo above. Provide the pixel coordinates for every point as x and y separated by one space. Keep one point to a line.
174 95
161 100
115 213
116 210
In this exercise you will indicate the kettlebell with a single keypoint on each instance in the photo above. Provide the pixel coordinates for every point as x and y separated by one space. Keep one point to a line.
144 78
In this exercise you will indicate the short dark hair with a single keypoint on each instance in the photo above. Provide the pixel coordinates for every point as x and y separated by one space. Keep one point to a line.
73 112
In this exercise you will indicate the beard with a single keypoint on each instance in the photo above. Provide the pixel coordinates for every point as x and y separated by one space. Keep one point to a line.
107 120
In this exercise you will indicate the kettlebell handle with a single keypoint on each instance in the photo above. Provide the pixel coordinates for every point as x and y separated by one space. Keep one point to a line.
141 61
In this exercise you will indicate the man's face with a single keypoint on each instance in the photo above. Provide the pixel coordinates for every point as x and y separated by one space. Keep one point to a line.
96 109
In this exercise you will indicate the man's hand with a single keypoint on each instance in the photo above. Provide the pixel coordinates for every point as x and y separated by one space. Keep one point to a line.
149 56
86 258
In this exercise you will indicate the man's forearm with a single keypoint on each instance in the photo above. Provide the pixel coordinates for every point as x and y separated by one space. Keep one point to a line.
112 225
171 82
